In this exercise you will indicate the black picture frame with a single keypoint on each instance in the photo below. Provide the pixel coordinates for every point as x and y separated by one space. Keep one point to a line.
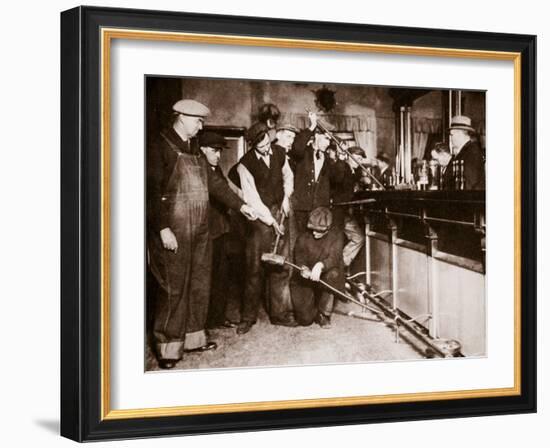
81 224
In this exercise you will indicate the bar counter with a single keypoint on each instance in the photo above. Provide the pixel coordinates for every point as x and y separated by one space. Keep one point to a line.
425 253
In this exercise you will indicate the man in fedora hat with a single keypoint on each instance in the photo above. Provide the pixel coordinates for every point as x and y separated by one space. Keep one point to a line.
467 150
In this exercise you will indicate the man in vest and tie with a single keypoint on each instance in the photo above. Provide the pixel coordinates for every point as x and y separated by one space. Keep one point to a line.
266 181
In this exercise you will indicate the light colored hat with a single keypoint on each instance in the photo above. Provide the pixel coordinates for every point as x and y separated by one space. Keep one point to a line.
288 127
191 108
461 122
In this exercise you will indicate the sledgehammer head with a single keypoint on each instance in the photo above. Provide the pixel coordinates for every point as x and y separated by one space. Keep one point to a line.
274 259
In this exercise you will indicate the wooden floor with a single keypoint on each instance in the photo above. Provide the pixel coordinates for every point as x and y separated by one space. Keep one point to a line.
350 340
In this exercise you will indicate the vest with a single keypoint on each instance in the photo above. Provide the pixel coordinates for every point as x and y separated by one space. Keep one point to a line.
269 181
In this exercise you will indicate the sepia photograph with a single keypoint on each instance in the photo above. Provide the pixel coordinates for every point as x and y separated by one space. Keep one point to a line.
306 223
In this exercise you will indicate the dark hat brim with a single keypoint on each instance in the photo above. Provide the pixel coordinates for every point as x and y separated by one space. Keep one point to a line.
462 128
191 115
219 146
318 228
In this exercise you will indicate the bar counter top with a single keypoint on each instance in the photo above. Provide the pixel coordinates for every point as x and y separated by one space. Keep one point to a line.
449 225
474 197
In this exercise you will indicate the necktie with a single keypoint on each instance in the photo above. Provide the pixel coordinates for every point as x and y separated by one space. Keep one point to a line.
318 154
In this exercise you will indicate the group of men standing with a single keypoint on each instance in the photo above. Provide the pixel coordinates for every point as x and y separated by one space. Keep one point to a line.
282 188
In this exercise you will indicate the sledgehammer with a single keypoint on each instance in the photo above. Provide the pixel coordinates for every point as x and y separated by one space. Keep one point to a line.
280 260
278 237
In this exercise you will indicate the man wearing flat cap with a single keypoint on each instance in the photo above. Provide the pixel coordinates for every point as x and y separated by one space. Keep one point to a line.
467 150
285 135
178 190
266 181
314 172
211 144
319 253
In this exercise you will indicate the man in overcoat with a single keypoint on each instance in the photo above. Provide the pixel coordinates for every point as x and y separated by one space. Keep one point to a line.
467 151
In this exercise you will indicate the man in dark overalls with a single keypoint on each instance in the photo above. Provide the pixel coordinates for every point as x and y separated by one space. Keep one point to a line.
178 188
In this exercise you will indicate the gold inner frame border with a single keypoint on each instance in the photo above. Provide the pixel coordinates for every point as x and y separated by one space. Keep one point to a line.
107 35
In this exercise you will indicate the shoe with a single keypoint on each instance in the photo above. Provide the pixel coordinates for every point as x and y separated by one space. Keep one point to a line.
244 327
223 326
323 321
288 322
167 363
228 324
208 346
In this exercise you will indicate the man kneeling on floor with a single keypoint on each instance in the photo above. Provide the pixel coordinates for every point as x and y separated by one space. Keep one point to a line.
319 252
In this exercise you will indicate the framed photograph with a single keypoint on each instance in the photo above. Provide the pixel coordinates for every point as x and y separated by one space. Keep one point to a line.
278 224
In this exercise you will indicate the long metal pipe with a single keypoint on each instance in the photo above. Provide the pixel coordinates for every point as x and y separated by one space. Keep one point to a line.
399 320
333 289
450 107
349 154
433 288
427 218
402 158
367 254
394 269
393 313
381 307
409 146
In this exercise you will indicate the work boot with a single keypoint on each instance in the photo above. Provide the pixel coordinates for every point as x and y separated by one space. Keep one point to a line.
286 321
167 364
222 325
244 327
323 321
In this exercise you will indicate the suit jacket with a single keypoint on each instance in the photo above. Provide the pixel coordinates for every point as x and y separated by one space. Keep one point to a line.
218 216
343 187
474 168
308 192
